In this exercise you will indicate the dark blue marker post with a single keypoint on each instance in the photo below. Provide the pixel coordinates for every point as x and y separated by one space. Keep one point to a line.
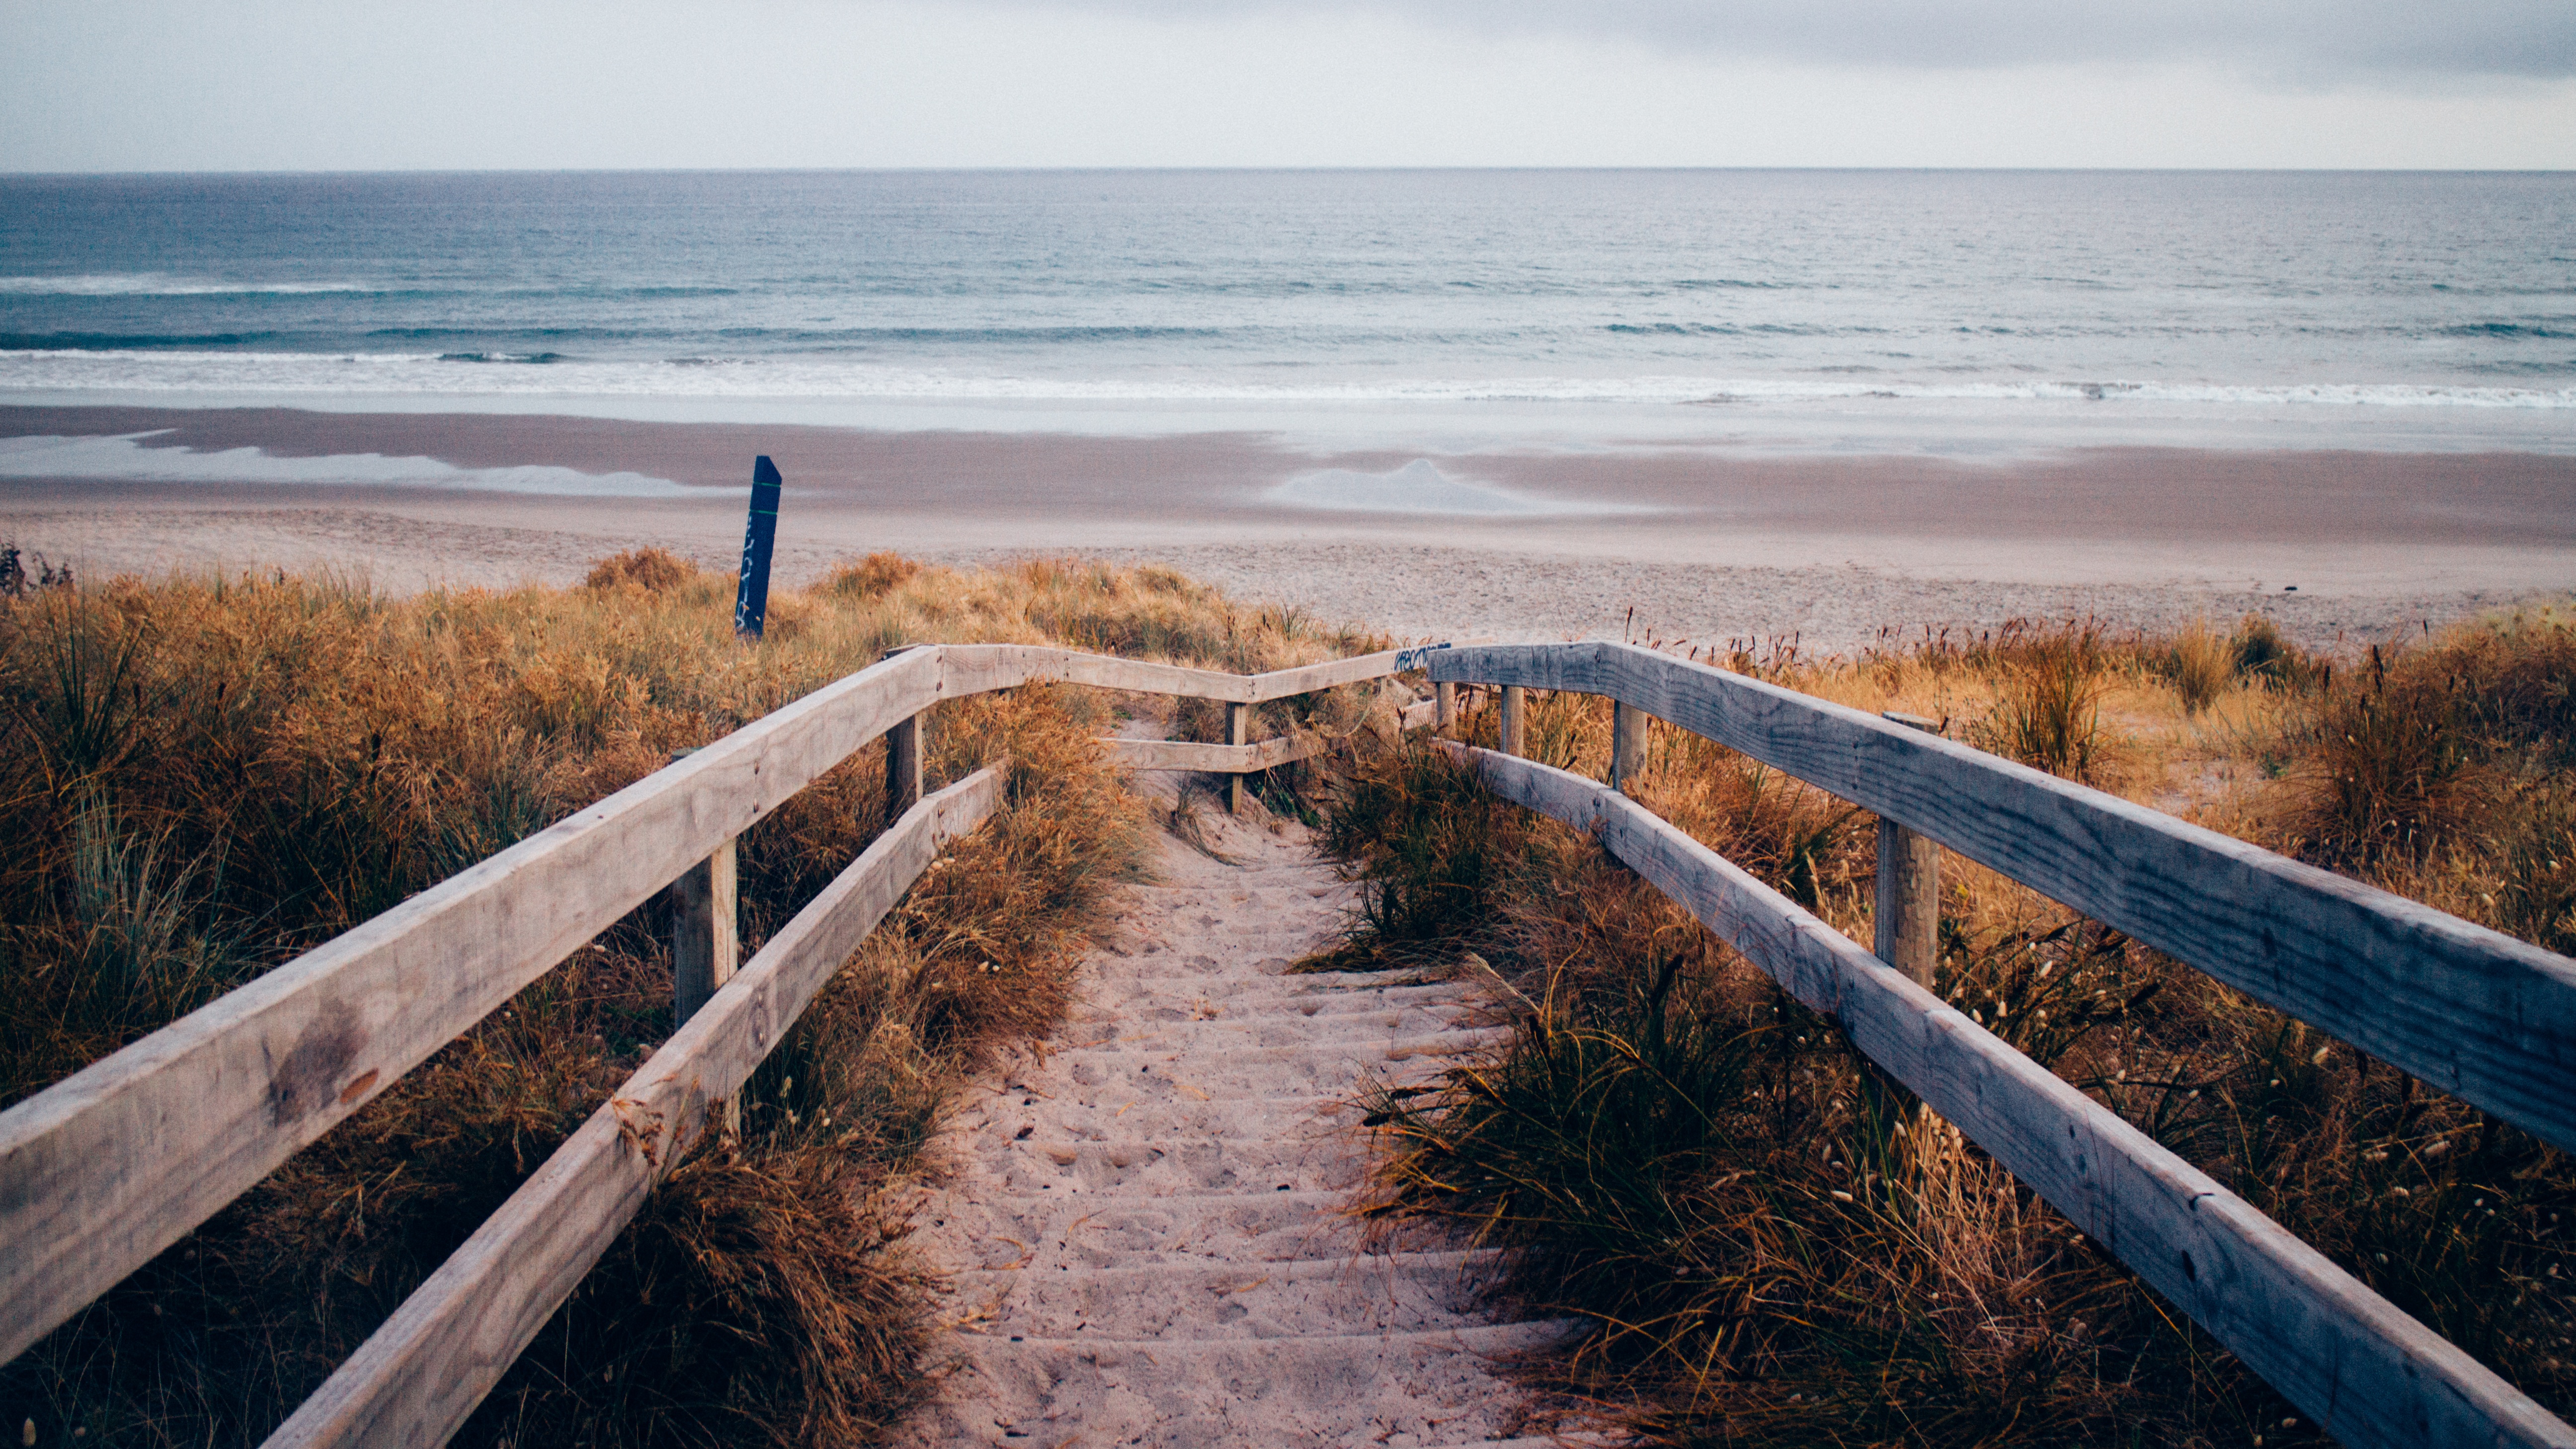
751 604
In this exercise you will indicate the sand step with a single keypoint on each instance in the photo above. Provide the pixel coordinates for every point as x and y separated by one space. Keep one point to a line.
1166 905
1149 1224
1293 924
1209 1026
1210 960
1090 1118
1308 1016
1402 1292
1106 989
1343 991
1163 909
1063 1230
1246 873
1139 1167
1315 1390
1235 885
1262 1071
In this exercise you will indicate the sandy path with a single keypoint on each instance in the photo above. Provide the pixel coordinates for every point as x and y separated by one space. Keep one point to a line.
1145 1222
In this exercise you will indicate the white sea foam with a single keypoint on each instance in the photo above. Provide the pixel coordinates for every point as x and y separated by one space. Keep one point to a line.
156 284
125 458
1420 487
434 374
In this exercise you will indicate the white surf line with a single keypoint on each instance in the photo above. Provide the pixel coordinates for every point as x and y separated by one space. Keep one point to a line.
123 457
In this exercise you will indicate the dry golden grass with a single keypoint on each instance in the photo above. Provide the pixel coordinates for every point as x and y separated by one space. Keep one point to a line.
203 776
1781 1246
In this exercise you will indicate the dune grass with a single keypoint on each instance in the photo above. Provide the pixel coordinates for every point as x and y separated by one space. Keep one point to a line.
1781 1246
202 777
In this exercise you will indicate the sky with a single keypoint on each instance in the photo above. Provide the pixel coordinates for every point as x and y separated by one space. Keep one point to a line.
145 85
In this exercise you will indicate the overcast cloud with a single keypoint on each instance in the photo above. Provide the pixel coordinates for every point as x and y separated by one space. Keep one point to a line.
2312 41
137 85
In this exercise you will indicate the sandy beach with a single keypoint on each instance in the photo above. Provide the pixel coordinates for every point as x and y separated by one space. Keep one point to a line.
1663 540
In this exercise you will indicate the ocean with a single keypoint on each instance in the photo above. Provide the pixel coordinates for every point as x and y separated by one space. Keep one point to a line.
1960 310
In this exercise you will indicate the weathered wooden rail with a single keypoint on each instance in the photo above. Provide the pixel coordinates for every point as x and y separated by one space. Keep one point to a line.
2474 1012
117 1162
2477 1013
418 1377
110 1166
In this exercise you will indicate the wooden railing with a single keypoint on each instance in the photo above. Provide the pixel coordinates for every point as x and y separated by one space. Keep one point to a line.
105 1169
2480 1015
108 1167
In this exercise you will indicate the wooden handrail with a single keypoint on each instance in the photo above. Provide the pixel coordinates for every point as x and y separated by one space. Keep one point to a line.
419 1376
1212 759
109 1166
2473 1012
2363 1370
972 666
106 1168
1248 759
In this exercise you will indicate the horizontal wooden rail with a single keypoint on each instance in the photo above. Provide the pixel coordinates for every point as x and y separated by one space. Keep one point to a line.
1213 759
420 1375
2362 1370
972 665
2473 1012
1248 759
115 1163
1308 678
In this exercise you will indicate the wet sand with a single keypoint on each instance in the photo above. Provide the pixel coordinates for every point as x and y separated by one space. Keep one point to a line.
1712 544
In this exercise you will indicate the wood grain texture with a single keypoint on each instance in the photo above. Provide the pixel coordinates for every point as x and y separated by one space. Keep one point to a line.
1306 679
115 1163
706 938
2471 1011
1907 917
2350 1360
1238 725
1907 924
420 1375
1627 745
1213 759
903 746
1038 662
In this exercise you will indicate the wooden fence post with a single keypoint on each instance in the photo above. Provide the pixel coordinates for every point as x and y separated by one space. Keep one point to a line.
704 944
903 768
1445 712
1514 731
1627 745
1238 731
1909 890
903 742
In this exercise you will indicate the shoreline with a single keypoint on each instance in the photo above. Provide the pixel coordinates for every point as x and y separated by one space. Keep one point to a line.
1701 544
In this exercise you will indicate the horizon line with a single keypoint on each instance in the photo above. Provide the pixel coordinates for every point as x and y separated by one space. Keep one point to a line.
1317 169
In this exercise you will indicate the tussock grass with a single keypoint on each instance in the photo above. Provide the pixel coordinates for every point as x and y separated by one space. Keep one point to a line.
203 776
2200 665
1425 844
1780 1246
2048 706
